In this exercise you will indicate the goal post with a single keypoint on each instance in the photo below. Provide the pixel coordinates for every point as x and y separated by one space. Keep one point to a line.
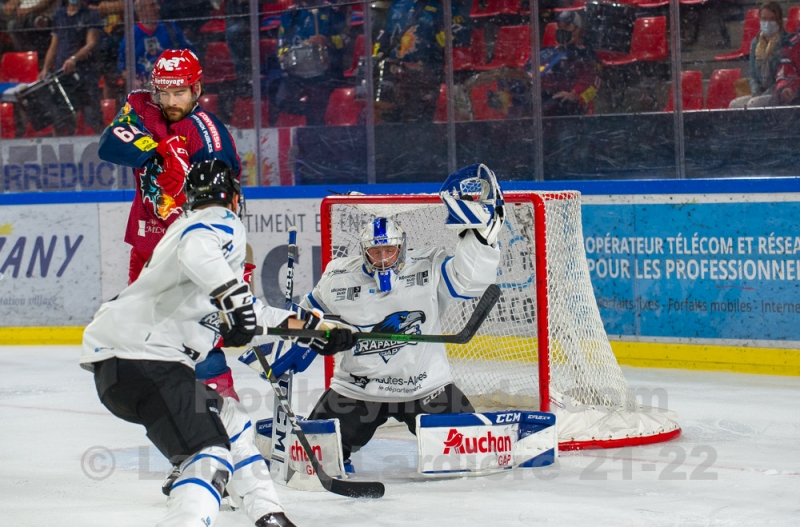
544 345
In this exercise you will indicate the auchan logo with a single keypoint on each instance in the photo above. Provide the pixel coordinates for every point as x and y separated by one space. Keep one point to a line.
296 452
472 445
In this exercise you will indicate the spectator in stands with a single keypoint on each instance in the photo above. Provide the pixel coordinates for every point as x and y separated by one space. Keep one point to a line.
237 36
570 71
765 58
150 38
112 12
311 42
76 32
411 47
29 23
787 82
191 15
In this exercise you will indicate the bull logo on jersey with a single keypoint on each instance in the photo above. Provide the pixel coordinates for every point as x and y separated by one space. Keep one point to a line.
163 204
408 43
398 323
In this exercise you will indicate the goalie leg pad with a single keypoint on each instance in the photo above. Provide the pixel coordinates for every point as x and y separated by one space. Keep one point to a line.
325 439
484 443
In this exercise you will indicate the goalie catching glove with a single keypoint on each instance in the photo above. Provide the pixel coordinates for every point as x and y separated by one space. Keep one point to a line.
340 336
235 302
474 201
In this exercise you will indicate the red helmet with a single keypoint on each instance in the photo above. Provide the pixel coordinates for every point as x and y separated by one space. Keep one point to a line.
175 68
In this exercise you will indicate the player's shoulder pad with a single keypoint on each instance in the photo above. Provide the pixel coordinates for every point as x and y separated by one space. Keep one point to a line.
339 266
214 219
422 255
139 99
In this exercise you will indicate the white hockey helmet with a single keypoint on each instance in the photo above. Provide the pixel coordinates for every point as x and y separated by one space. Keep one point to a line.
383 247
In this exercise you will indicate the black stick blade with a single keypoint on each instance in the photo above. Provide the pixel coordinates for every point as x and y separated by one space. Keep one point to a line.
357 489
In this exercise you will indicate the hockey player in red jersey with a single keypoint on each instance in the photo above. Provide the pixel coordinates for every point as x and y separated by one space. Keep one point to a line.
160 133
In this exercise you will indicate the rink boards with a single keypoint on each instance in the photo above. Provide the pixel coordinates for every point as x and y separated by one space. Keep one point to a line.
698 274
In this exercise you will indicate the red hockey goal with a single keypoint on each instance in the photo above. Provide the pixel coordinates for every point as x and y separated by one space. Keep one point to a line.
544 346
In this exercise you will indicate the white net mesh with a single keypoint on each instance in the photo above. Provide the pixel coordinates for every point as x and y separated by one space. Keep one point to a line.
499 368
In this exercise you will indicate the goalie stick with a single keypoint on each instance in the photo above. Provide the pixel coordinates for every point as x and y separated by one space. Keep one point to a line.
351 489
482 310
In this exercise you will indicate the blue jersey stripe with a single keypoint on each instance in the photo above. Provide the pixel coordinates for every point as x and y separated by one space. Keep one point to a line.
248 425
248 461
194 228
200 482
223 227
201 456
448 283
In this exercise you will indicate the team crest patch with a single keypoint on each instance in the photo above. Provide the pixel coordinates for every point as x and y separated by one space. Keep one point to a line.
398 323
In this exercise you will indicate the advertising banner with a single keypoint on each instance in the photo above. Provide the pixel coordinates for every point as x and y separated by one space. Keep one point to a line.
72 163
682 267
50 261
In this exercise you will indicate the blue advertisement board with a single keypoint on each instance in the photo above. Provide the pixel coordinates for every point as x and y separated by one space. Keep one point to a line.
716 270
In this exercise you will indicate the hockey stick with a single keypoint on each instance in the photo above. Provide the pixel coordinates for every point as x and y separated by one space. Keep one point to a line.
290 266
351 489
482 310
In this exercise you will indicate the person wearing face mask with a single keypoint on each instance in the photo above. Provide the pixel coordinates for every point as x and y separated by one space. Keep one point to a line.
570 71
76 32
765 58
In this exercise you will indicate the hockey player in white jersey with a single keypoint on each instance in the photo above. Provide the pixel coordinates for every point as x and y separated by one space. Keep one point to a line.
142 347
395 289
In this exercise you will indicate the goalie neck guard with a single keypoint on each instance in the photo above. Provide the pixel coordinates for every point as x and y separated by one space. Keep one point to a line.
212 182
383 247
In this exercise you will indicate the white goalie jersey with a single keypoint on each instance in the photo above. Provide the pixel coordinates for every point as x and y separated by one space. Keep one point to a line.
426 285
167 313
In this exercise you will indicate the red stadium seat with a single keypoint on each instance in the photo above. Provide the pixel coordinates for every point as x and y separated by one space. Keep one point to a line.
549 38
466 59
793 19
691 92
288 120
242 115
485 102
751 28
81 128
512 48
44 132
19 67
440 115
208 101
721 89
8 127
358 52
217 22
484 8
648 43
109 109
218 64
267 47
343 109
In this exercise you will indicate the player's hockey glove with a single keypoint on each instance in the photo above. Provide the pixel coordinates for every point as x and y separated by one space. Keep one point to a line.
248 273
174 159
239 324
339 339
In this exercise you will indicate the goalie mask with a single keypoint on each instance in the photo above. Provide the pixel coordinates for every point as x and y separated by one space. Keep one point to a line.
383 246
212 182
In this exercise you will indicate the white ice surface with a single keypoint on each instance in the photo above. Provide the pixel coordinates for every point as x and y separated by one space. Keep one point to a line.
736 463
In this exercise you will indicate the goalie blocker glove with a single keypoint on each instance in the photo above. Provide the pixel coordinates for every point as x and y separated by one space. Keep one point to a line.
239 323
474 201
339 338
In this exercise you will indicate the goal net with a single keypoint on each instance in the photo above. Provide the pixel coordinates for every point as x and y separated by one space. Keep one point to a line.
543 346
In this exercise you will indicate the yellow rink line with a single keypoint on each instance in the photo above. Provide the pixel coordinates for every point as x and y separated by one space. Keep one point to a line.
771 361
